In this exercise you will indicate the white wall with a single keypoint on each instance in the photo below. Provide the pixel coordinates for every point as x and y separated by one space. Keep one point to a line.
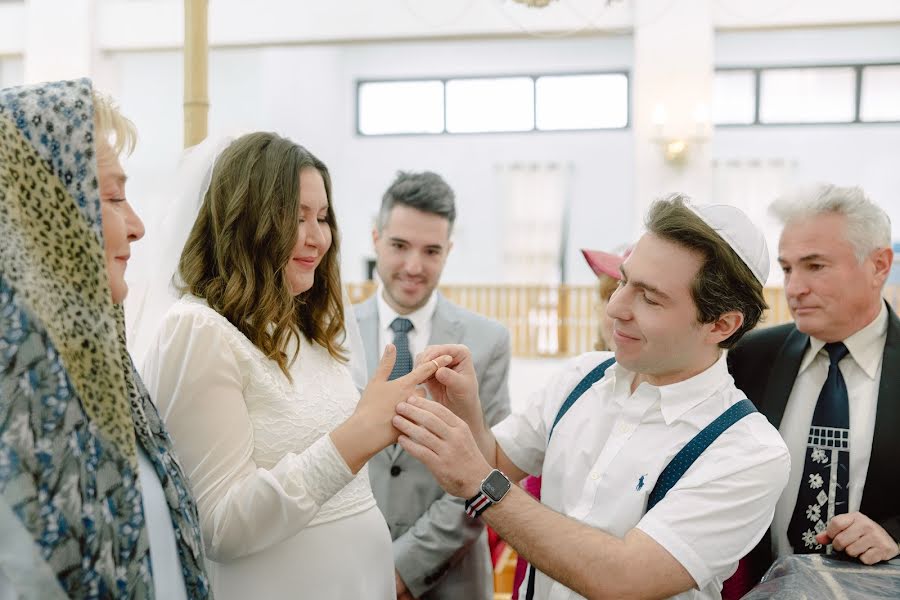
12 27
875 43
308 94
12 71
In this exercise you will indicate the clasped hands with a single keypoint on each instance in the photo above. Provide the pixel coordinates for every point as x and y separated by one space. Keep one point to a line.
447 373
439 432
369 429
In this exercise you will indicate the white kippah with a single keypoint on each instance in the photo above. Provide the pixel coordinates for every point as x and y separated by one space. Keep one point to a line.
736 228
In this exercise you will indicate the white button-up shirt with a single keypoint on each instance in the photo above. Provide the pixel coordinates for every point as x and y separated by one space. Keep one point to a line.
609 449
862 374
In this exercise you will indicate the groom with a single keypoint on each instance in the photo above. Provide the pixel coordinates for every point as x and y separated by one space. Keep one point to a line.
439 553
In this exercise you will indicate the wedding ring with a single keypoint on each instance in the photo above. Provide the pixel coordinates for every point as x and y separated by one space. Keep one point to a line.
436 365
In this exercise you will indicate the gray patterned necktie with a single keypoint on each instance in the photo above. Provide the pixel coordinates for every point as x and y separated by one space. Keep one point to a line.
403 365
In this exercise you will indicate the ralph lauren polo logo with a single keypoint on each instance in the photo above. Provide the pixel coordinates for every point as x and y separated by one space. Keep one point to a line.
640 483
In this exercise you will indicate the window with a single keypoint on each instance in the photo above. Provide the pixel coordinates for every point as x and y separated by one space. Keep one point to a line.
401 107
493 104
880 93
820 95
836 94
480 105
582 102
734 97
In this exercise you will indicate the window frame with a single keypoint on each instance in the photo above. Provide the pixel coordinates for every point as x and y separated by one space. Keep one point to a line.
534 76
361 82
758 70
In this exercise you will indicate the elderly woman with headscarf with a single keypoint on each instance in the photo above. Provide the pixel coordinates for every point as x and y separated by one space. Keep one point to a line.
93 503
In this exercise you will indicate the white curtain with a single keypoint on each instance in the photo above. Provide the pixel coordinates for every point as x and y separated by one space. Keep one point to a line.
533 197
535 219
752 185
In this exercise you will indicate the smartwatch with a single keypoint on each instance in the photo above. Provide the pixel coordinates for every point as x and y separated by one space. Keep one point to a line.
494 487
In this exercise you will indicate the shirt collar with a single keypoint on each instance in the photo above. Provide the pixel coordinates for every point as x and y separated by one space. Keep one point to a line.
419 317
676 399
866 345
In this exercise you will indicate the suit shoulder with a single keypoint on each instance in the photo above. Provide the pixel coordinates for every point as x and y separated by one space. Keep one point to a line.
364 308
761 340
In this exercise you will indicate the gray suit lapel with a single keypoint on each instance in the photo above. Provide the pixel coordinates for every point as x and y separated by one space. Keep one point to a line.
446 327
367 318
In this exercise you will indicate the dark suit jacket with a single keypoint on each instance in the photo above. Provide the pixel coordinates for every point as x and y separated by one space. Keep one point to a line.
765 364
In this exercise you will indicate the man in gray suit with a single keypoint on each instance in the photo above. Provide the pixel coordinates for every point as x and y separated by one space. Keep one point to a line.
439 553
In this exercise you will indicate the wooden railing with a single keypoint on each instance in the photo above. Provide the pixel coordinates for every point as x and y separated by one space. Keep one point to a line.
556 321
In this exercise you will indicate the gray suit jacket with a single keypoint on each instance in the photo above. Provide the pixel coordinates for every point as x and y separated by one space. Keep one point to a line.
440 553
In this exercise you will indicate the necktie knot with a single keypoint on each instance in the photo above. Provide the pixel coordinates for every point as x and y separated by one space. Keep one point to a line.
836 351
401 325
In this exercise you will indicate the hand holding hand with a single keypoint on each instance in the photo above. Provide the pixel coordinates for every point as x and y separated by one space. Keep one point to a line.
369 429
443 443
456 385
860 537
378 400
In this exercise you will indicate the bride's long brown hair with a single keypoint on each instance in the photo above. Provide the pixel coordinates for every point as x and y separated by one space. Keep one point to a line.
241 242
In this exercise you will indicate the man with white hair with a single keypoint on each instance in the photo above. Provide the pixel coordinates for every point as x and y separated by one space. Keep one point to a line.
657 474
829 381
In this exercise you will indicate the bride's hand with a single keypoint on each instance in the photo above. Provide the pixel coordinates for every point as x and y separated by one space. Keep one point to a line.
381 396
369 428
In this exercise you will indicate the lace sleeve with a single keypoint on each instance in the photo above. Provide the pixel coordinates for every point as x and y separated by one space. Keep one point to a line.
194 377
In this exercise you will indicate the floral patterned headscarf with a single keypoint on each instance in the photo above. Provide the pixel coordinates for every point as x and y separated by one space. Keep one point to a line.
72 408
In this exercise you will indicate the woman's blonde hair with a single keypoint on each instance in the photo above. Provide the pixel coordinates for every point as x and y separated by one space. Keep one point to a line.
242 240
112 125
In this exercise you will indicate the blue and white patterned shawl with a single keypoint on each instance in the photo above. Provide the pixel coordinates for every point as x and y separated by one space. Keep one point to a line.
72 407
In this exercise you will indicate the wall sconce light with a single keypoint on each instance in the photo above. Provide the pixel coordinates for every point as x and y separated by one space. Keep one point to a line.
676 142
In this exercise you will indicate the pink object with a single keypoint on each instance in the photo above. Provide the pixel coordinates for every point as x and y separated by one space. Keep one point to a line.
532 485
605 263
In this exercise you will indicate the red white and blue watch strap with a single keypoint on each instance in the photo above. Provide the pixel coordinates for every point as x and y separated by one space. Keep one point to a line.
477 504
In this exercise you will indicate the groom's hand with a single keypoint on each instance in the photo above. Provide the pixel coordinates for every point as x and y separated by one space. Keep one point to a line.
455 385
443 443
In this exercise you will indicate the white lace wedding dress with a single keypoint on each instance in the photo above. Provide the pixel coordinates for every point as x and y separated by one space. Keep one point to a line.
282 515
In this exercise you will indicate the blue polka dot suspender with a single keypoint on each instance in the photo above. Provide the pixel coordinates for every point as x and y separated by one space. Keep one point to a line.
682 461
679 464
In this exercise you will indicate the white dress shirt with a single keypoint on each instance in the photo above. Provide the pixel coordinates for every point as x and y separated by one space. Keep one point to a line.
862 373
421 319
609 449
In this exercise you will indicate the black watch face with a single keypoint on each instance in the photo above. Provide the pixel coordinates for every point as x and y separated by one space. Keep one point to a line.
495 486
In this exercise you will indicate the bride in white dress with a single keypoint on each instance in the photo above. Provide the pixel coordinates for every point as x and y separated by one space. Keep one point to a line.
249 374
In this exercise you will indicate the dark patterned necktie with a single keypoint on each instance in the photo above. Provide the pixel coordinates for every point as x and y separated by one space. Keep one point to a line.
826 472
403 365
